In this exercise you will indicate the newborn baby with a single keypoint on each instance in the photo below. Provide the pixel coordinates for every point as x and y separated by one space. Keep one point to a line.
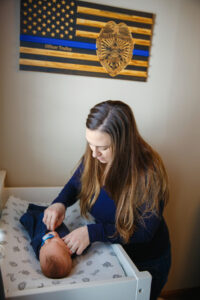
53 254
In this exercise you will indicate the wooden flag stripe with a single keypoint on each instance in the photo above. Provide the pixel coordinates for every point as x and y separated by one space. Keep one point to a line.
99 24
114 9
114 15
86 68
94 35
73 55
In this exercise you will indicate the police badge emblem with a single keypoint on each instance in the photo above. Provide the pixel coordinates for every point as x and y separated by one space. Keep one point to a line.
114 47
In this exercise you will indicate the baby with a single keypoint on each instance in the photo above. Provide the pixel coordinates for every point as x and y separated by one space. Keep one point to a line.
53 254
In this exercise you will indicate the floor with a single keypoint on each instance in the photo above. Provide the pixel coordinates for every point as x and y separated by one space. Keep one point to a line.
181 297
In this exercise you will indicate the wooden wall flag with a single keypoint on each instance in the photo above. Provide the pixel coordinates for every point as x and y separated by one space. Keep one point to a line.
83 38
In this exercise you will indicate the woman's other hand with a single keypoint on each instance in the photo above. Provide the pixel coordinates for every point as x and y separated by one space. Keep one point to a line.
77 240
54 215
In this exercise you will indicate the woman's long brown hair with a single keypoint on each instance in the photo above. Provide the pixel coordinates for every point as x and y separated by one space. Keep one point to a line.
136 176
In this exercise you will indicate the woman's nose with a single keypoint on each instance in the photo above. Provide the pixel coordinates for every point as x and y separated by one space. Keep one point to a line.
95 152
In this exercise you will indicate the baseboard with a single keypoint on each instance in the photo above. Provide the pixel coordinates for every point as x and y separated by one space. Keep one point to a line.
190 292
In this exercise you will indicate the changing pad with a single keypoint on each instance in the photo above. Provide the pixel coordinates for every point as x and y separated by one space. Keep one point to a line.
20 268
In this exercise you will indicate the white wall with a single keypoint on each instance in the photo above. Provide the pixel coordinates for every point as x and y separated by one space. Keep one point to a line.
42 117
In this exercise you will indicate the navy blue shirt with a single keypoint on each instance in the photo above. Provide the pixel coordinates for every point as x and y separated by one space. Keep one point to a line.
149 240
32 221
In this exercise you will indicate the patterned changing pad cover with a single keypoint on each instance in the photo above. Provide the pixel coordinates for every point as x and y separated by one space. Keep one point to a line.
20 268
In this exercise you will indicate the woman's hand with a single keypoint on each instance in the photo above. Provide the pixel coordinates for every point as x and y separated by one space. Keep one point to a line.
77 240
54 216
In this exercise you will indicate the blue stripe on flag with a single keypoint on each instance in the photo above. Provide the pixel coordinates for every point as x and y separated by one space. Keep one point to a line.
141 52
41 40
73 44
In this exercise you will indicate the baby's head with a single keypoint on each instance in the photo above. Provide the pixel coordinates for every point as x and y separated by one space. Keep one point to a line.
55 257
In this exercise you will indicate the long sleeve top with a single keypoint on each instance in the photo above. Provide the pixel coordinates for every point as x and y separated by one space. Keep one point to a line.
149 240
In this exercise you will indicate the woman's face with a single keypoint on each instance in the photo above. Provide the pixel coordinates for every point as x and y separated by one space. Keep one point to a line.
100 144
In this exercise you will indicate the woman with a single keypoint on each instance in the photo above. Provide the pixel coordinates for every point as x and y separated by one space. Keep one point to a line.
121 181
